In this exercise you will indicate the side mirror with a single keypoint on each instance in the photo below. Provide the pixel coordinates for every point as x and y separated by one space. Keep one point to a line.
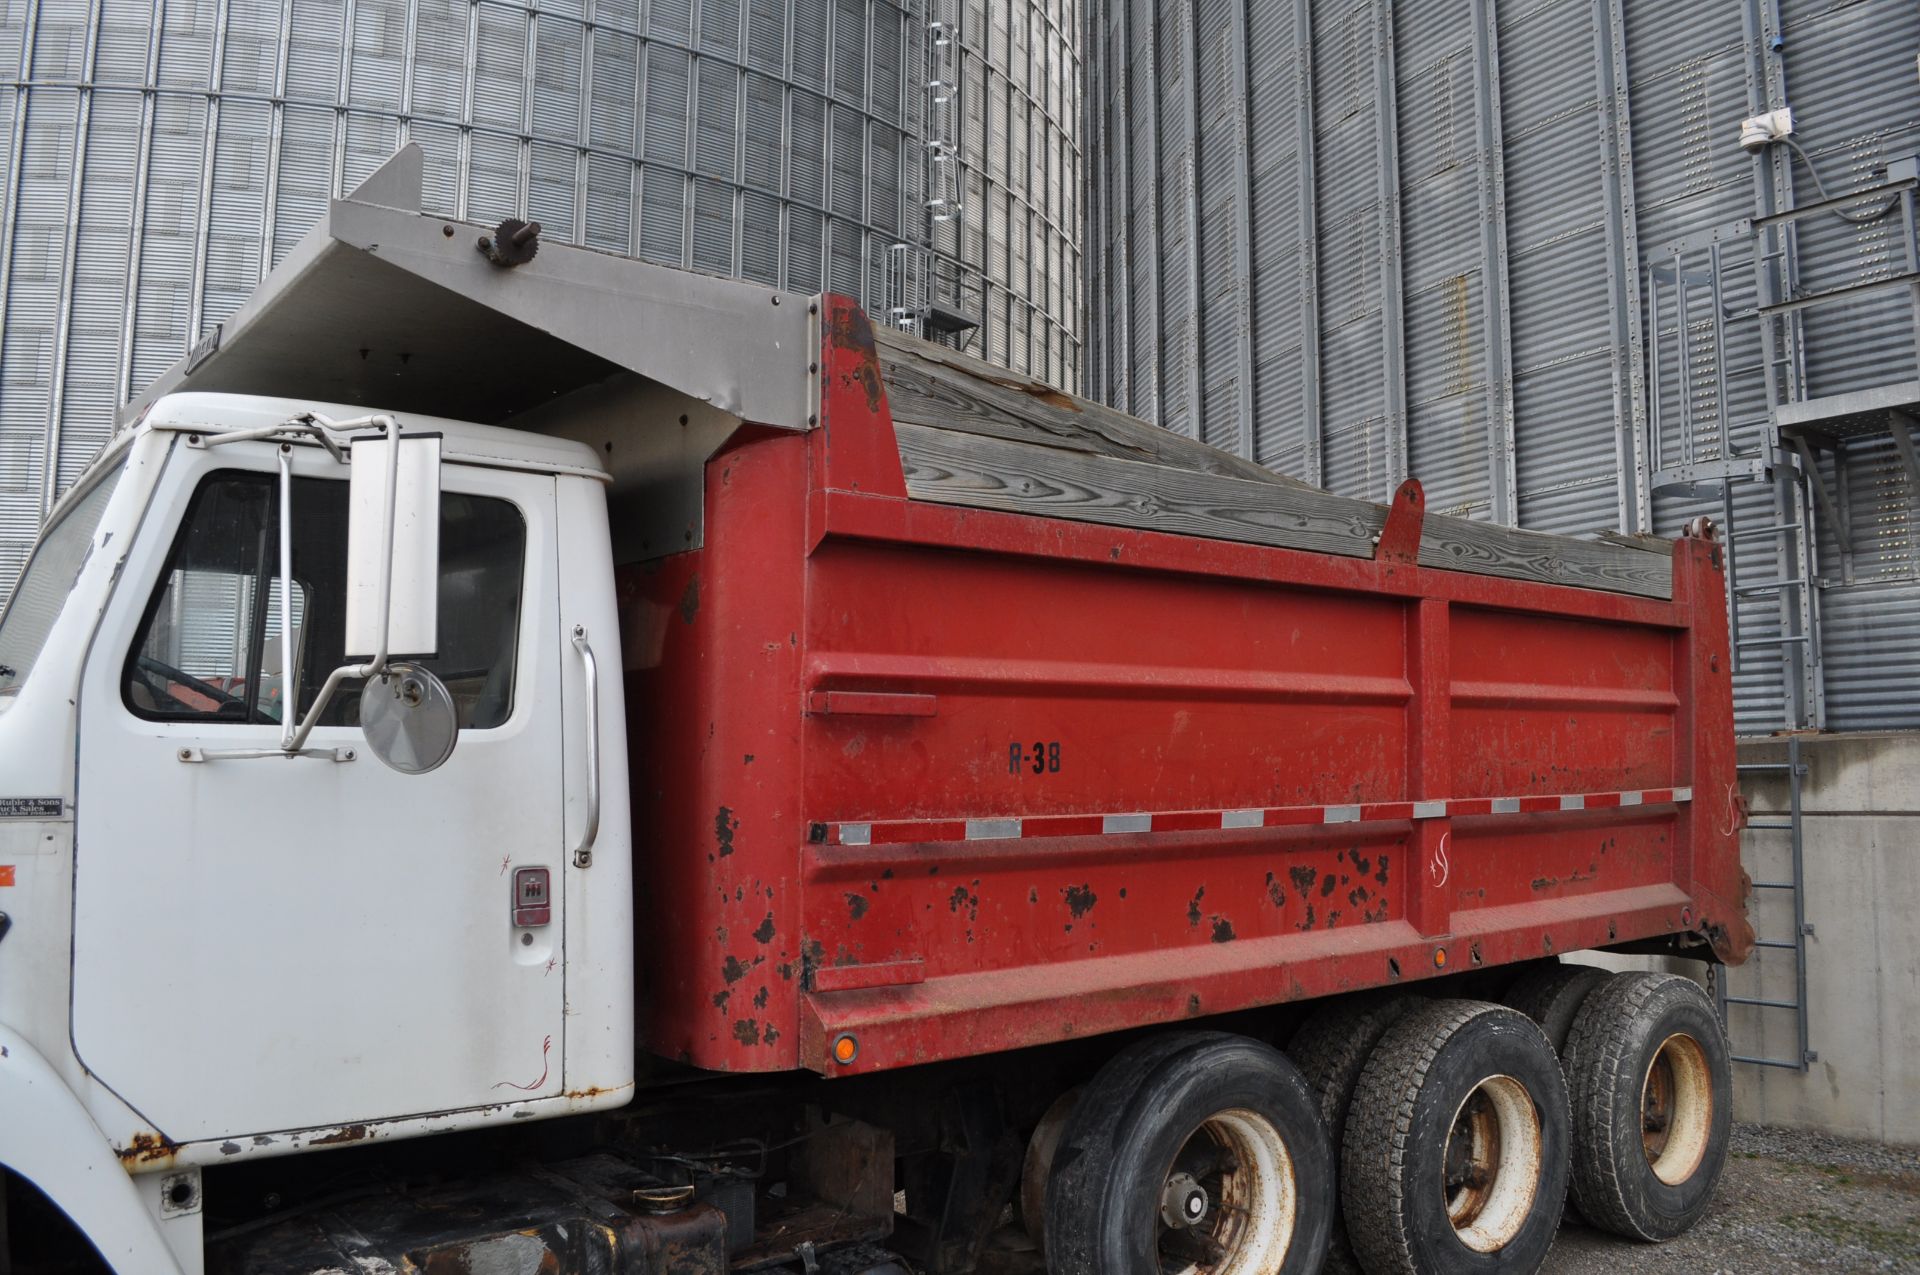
393 509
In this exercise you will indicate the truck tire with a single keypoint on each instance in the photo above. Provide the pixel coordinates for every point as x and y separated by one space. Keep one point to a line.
1037 1166
1652 1085
1455 1157
1202 1150
1552 995
1331 1049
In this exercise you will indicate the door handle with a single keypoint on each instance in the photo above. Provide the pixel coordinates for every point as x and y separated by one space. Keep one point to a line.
583 853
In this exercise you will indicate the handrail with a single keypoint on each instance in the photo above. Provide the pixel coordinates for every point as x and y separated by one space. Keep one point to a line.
583 853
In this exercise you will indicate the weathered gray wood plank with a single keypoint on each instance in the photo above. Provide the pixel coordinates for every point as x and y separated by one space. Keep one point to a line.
930 384
950 467
1649 544
958 468
1484 548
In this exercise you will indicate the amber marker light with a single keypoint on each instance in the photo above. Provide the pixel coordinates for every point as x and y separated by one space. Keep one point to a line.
846 1048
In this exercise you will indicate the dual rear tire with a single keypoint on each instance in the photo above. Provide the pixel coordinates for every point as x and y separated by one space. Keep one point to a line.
1455 1128
1651 1078
1456 1148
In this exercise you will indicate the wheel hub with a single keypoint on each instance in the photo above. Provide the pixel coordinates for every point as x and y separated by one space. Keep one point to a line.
1676 1109
1492 1164
1228 1202
1184 1202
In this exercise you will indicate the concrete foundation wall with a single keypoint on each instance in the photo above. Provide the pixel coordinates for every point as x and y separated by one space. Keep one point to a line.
1861 824
1861 815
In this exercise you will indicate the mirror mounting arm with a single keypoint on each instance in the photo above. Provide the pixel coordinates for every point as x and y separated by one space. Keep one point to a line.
335 436
292 739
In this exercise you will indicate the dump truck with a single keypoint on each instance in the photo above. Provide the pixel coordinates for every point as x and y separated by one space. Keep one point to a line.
514 758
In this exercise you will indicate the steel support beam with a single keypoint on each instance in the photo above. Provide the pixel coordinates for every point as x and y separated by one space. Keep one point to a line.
1238 42
63 323
1194 354
1393 323
1502 482
1151 47
276 129
142 166
16 149
1634 504
1120 288
1902 427
1802 698
1313 464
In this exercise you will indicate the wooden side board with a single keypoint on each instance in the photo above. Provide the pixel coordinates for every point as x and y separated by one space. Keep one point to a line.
930 384
990 471
953 468
1488 549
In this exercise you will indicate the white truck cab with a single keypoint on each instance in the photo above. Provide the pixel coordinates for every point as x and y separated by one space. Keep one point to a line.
314 823
210 938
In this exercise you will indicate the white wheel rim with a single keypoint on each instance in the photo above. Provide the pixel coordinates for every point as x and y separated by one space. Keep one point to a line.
1251 1200
1676 1109
1491 1171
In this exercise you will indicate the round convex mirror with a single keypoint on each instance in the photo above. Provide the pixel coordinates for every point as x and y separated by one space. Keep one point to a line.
408 716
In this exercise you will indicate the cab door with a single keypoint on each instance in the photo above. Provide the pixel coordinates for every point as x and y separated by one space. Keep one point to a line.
274 944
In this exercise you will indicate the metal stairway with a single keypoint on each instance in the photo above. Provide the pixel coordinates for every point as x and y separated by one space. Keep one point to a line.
1731 420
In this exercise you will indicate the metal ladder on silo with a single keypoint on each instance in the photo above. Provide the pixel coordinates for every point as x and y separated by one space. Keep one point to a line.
1710 453
915 279
1803 1055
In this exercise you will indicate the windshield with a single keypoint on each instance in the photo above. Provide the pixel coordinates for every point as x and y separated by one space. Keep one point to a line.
49 577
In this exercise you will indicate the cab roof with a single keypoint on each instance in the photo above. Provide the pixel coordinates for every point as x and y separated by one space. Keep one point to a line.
463 442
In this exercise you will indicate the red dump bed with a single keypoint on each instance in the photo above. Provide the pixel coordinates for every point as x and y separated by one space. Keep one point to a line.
999 718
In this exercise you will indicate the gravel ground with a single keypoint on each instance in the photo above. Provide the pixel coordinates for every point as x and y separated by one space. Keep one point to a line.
1789 1201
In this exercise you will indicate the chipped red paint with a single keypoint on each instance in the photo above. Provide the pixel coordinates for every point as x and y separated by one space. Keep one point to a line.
1179 677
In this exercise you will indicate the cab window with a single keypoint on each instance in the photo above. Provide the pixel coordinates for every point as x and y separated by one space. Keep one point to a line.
27 617
209 646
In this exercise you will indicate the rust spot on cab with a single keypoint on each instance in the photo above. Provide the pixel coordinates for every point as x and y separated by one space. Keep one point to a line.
149 1148
345 1133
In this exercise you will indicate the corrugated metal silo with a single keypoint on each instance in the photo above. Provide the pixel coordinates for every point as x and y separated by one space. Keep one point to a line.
158 156
1354 240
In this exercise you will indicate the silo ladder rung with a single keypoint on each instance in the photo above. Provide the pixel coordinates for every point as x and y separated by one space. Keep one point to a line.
1761 1002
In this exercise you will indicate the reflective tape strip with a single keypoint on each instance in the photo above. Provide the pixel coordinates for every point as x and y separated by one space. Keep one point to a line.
1240 818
